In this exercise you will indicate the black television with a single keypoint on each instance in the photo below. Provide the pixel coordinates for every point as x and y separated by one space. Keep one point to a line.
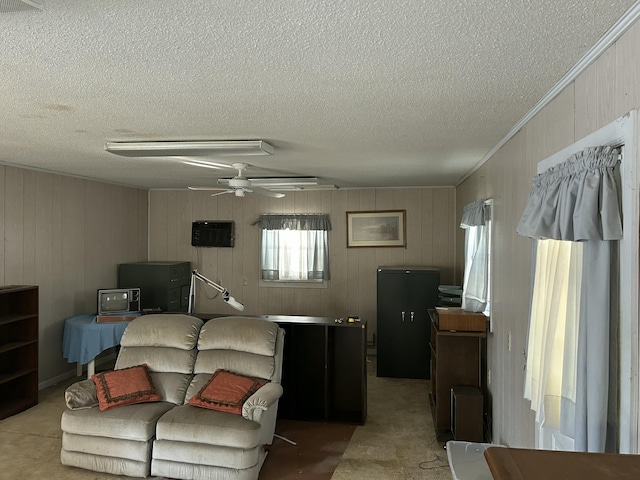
212 233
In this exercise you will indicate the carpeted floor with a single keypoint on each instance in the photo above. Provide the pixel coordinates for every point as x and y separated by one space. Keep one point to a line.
398 439
396 442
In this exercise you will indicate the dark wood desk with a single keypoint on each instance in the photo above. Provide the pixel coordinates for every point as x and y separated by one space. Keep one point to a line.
324 372
324 369
526 464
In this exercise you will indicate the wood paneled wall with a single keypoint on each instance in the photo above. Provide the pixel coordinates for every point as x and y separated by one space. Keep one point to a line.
67 236
608 89
352 288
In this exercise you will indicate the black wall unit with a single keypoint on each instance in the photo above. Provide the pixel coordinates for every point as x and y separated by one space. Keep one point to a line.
404 297
211 233
163 285
324 369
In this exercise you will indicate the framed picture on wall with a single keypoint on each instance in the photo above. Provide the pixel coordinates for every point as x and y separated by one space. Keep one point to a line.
385 228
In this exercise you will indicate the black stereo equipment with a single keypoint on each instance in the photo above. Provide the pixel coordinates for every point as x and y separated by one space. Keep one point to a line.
210 233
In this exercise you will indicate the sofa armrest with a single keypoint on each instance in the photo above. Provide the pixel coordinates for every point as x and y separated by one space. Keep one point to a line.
81 395
260 401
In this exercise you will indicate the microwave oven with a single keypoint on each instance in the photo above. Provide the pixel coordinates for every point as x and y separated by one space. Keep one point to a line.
115 301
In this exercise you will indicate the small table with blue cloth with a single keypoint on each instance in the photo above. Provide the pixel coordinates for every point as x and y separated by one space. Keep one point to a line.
84 339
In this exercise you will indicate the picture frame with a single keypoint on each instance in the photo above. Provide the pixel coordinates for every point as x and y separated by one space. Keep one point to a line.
381 228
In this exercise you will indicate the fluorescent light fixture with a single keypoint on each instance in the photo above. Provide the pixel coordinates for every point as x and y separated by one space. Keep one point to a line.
172 149
203 163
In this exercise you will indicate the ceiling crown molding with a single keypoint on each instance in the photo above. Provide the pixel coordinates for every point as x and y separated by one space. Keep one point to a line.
607 40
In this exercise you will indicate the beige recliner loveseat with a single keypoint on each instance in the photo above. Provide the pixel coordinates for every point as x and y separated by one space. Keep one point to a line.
170 437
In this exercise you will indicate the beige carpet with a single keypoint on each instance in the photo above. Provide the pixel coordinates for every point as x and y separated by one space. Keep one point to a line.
397 441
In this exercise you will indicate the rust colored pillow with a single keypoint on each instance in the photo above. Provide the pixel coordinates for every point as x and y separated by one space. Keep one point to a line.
127 386
226 391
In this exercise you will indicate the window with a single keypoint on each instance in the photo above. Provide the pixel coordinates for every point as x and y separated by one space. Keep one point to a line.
476 220
572 374
294 248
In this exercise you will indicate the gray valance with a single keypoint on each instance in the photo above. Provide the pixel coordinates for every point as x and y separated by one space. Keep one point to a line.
577 199
475 214
293 222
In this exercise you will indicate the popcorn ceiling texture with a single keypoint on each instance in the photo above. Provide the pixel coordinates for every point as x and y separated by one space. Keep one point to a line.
359 92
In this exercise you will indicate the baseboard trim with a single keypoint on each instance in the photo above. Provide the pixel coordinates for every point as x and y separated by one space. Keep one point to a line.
71 373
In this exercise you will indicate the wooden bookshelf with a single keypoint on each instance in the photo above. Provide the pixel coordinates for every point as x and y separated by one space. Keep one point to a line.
18 348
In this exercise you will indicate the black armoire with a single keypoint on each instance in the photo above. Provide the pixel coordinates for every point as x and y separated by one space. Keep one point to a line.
404 296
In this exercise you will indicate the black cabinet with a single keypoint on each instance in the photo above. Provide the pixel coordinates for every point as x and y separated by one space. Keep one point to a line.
404 297
163 285
324 369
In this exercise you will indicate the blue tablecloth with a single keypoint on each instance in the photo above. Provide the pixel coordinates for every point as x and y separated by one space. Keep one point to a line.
84 338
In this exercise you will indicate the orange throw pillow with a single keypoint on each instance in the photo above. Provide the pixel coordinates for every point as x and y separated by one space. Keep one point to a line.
127 386
226 391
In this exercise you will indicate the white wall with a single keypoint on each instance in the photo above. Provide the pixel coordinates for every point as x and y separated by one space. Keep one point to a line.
67 236
352 288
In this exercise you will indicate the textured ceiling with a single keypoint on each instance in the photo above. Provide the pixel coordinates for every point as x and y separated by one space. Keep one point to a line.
358 92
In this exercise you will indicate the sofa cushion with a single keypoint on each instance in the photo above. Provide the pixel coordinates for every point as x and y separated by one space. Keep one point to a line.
243 334
251 364
169 469
132 422
226 391
186 423
107 447
203 454
128 386
159 359
163 330
100 463
172 387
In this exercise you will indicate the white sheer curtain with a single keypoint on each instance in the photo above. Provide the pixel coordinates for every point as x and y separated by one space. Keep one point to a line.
294 247
571 374
553 338
476 218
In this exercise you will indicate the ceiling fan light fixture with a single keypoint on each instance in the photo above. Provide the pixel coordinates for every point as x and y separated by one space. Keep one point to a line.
284 182
271 182
172 149
294 188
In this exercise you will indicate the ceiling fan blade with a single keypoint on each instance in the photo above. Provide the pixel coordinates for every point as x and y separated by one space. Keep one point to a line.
268 193
206 188
222 193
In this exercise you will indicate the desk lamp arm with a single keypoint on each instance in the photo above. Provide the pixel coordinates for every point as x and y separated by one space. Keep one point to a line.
225 294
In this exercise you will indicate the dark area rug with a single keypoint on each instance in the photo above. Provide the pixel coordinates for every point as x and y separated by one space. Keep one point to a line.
319 447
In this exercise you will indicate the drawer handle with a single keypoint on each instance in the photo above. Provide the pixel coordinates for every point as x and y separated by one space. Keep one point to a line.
412 313
403 316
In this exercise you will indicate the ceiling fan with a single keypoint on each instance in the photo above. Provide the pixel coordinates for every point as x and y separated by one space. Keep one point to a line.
240 185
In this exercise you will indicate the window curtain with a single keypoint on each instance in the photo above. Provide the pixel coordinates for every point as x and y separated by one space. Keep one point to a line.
571 378
294 247
475 288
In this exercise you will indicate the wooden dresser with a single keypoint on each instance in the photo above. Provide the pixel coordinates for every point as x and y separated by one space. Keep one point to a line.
456 360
